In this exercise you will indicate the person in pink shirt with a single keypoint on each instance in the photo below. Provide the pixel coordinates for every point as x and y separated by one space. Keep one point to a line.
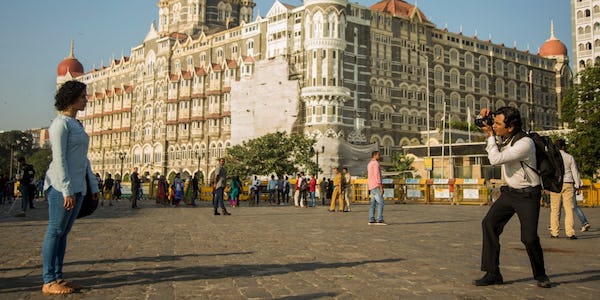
375 189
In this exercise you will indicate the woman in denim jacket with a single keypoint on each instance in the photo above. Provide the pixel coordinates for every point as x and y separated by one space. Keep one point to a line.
65 183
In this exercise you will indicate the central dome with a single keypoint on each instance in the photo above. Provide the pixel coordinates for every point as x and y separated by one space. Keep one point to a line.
70 65
553 46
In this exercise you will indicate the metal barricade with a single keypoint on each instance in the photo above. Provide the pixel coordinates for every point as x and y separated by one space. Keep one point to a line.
595 199
360 191
415 190
206 193
471 191
589 195
441 191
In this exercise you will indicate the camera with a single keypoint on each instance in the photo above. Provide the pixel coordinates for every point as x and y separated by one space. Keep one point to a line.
482 121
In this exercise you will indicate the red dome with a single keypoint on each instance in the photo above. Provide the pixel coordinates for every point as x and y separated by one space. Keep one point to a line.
69 64
553 47
399 8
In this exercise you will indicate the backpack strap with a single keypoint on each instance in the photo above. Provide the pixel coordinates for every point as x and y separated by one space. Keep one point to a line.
516 137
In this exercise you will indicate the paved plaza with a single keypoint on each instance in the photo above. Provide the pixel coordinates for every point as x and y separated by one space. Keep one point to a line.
282 252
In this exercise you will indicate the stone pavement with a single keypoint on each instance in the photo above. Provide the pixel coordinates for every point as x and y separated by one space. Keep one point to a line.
430 252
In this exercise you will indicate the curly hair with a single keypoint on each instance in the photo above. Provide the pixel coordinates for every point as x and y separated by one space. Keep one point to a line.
512 117
68 93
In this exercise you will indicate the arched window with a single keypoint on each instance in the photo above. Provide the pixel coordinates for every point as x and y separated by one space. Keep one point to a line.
483 84
483 64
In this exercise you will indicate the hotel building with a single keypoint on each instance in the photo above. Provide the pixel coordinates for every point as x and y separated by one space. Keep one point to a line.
208 75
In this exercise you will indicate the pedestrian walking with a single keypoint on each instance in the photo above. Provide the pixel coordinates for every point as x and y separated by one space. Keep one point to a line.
571 184
280 188
336 196
117 190
346 188
509 146
312 189
195 189
65 183
323 190
135 188
301 189
219 185
107 193
375 190
26 186
255 191
272 188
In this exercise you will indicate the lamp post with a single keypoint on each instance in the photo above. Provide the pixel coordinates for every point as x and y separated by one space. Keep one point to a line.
122 158
428 116
12 155
316 152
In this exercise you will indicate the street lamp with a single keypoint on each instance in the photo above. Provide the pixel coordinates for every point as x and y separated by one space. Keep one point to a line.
316 152
122 158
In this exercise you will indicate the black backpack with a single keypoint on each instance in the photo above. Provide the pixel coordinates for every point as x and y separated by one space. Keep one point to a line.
303 185
550 166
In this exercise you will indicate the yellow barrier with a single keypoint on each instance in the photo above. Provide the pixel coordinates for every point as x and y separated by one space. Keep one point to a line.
593 193
471 191
415 190
441 191
360 191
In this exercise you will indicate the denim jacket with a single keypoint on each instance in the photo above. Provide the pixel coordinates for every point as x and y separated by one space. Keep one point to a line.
69 165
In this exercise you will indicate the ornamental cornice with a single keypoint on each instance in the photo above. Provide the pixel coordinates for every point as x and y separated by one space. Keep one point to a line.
326 92
327 43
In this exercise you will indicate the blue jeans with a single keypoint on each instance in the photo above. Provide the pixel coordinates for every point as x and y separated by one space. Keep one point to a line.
376 200
579 213
26 193
582 219
219 198
60 222
312 198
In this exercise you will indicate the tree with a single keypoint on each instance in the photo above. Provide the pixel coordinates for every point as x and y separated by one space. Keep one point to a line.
274 153
581 109
15 142
40 160
402 162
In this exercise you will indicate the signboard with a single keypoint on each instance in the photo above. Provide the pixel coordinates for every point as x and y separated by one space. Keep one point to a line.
441 193
471 181
440 181
471 194
412 181
428 163
388 193
387 181
414 193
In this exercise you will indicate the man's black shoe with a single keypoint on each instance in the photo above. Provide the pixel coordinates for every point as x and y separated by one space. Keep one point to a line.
545 283
489 279
573 237
217 213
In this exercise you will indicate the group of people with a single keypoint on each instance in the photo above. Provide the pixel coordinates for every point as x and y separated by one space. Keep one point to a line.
65 184
109 188
176 192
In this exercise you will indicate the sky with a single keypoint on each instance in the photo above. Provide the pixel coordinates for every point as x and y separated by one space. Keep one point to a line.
37 34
